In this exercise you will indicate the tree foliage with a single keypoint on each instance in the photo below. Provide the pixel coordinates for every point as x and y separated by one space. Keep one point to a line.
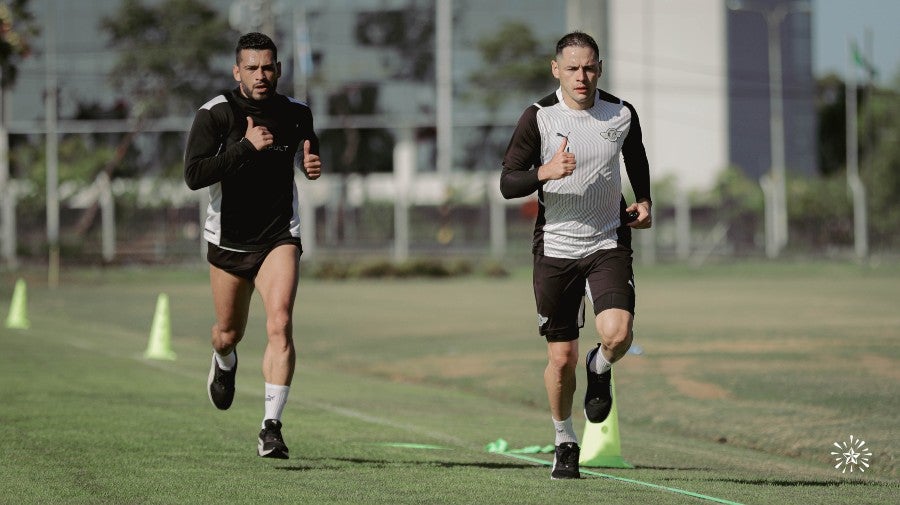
79 162
408 32
168 51
17 28
832 121
880 161
878 112
514 59
515 67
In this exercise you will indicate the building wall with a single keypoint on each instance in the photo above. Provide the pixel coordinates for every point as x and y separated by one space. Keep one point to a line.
696 72
668 60
748 77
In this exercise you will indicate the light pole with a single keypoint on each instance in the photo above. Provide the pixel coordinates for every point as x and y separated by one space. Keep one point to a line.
7 200
444 86
52 150
776 205
854 181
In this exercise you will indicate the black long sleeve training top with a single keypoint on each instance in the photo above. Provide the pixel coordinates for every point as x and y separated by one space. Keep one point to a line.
253 196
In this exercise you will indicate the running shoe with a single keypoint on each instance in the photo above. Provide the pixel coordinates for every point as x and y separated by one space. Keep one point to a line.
220 384
271 445
598 397
565 461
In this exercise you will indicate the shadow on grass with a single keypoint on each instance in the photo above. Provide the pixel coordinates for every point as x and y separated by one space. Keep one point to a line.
805 483
385 463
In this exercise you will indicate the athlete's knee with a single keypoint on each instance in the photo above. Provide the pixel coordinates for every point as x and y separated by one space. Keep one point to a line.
281 347
279 326
621 345
225 337
615 335
562 362
562 357
617 342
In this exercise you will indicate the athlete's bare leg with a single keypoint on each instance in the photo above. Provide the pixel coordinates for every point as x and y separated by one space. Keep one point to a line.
231 298
277 285
615 329
559 377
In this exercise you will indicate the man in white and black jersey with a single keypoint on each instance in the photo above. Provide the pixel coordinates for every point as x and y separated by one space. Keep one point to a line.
567 147
243 146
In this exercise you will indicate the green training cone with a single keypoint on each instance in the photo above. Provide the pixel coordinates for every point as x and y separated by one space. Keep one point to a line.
160 344
18 308
600 445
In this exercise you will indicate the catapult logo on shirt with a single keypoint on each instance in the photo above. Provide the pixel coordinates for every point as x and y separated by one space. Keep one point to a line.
611 135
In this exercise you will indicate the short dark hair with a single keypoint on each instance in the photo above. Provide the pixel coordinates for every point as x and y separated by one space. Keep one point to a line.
257 41
578 39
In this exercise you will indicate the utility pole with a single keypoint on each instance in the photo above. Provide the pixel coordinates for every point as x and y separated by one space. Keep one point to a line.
52 150
775 185
302 71
854 182
7 199
444 78
252 16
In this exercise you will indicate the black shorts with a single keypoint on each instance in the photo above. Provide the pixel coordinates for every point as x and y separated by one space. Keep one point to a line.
244 264
606 277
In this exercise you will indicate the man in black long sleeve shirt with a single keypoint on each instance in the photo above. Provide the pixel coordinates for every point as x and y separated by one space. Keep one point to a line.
243 146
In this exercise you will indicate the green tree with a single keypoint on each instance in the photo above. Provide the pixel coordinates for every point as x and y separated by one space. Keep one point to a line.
515 66
167 54
407 32
831 103
879 134
514 59
166 65
173 55
879 150
17 28
79 162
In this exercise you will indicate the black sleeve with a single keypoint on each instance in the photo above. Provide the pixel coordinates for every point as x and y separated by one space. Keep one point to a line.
206 158
309 131
523 156
635 157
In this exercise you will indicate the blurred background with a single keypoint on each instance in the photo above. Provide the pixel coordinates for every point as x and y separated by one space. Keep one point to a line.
772 126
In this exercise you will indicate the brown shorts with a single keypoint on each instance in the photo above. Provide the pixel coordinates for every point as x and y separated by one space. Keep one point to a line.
606 277
244 264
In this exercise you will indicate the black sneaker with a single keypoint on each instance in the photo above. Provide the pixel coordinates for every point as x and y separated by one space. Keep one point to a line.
565 461
220 384
598 397
271 445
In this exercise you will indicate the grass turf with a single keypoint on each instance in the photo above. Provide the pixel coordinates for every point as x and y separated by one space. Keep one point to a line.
750 373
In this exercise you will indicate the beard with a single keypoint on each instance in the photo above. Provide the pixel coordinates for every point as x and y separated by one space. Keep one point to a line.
250 93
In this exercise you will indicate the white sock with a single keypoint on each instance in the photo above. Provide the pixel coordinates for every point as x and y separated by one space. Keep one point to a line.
226 362
564 431
276 398
600 364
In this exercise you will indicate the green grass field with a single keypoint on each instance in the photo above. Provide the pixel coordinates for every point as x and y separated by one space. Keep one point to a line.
750 373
